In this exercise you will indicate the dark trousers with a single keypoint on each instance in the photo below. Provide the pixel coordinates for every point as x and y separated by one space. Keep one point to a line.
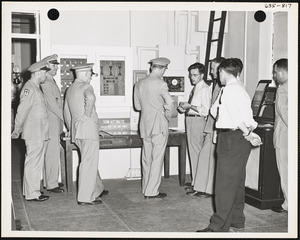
232 154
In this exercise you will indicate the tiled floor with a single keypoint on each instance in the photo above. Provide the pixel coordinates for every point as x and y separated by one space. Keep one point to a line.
126 210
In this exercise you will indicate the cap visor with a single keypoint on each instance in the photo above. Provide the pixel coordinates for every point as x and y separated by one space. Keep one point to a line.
54 62
45 68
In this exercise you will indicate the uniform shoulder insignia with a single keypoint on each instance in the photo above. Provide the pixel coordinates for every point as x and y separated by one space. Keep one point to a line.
26 91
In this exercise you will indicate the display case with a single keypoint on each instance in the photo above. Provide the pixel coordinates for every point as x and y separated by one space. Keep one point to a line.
262 178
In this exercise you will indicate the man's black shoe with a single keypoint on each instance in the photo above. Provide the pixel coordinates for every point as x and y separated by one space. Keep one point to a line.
95 202
207 195
278 209
190 192
40 198
189 188
197 194
236 229
60 184
56 190
159 195
104 193
188 184
208 229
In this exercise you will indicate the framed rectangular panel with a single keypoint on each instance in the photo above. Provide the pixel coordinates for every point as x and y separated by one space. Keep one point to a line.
69 57
114 65
138 75
175 83
66 75
112 77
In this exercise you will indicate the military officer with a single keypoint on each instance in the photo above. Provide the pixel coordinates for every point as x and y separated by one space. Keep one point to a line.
55 115
82 120
32 121
152 98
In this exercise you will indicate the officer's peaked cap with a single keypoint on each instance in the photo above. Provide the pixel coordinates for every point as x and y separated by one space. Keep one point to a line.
38 66
51 59
161 61
84 67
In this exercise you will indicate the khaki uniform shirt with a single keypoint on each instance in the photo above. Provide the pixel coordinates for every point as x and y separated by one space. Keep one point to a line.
32 115
54 105
78 95
280 138
152 98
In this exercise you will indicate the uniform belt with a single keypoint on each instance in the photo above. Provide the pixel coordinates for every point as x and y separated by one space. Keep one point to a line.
192 115
226 130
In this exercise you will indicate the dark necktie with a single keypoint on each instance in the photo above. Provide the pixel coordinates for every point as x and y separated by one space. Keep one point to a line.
191 95
191 98
41 88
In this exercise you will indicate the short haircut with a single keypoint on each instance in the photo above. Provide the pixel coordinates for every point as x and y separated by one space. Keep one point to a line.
198 66
240 63
218 60
282 64
231 66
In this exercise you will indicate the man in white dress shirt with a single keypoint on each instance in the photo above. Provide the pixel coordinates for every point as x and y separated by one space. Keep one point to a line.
205 172
235 126
196 111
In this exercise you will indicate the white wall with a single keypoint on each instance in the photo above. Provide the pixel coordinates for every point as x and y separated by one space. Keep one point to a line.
251 41
280 35
164 33
134 29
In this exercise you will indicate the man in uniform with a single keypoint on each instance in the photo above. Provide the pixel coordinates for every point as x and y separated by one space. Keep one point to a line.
280 138
235 126
196 111
152 98
82 121
32 120
55 115
205 172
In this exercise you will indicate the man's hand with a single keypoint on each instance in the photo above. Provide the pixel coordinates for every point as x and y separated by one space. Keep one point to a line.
67 134
15 135
185 105
254 139
180 109
84 118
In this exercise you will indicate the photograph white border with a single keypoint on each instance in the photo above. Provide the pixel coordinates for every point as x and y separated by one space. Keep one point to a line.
8 7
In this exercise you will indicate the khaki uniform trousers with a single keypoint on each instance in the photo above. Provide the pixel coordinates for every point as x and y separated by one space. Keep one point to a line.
52 157
33 166
282 164
205 172
152 163
195 138
89 182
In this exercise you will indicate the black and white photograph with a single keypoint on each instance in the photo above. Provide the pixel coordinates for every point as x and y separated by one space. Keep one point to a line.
149 119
